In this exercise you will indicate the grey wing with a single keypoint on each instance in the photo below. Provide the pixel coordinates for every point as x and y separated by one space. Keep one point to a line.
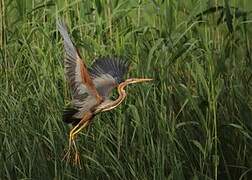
107 73
85 95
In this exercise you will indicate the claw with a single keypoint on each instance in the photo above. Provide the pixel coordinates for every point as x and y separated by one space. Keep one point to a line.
72 135
67 156
77 156
77 159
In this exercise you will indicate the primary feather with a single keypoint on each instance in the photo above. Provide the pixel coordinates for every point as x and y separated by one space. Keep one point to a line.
85 95
107 73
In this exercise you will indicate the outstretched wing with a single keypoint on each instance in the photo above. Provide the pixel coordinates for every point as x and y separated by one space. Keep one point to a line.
85 95
107 73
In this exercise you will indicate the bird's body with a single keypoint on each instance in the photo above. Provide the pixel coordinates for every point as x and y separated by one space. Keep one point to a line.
91 87
104 84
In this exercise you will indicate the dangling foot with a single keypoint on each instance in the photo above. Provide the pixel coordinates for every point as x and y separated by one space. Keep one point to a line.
67 155
77 156
77 159
82 124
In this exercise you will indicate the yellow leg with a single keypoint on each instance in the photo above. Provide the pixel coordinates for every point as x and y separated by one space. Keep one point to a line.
77 157
72 135
77 130
70 141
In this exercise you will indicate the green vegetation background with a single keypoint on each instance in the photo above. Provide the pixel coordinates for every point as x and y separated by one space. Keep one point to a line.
193 122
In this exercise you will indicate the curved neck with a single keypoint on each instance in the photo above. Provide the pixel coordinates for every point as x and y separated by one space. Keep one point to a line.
119 100
122 94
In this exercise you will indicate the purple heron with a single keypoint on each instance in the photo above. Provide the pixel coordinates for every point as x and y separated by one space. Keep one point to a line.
90 87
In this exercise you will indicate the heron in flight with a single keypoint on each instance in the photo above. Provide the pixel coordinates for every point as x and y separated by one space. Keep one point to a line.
90 87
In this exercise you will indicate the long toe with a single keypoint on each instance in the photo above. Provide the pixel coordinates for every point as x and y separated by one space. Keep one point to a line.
67 156
77 159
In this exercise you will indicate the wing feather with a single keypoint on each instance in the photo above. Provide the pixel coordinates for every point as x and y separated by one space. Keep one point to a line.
85 95
107 73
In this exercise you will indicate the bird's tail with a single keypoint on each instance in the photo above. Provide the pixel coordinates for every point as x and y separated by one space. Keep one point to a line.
68 116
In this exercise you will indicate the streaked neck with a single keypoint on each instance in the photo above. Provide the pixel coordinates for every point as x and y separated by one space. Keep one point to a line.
113 104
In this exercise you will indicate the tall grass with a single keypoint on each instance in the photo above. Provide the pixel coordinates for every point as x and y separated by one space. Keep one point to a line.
193 122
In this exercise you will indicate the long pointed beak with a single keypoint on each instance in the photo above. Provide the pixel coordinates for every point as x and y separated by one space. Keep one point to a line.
137 80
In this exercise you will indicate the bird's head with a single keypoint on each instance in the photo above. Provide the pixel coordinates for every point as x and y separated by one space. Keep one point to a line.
131 81
137 80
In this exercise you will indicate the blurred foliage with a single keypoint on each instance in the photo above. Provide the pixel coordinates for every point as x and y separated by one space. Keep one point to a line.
193 122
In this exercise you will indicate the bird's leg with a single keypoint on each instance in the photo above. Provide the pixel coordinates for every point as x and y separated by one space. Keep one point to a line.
70 141
72 135
77 157
77 130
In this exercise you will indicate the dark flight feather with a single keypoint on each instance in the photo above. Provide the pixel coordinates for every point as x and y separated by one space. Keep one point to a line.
68 116
84 92
113 66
